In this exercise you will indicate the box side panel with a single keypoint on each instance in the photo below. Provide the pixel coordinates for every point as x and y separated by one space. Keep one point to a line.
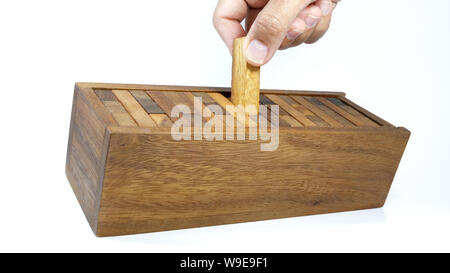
85 153
154 183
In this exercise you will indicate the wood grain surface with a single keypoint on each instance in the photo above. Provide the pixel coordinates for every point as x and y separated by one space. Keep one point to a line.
130 176
244 78
313 171
86 150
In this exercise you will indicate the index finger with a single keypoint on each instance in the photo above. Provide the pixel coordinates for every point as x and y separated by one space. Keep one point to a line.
227 20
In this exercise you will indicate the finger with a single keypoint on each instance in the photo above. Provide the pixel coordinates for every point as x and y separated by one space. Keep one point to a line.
311 15
227 19
270 28
296 29
307 19
302 37
254 7
313 35
251 17
327 8
319 30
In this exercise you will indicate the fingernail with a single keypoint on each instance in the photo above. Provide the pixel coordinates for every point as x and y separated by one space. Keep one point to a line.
257 52
292 35
311 21
325 7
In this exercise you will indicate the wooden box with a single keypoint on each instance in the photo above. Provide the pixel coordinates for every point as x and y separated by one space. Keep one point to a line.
130 176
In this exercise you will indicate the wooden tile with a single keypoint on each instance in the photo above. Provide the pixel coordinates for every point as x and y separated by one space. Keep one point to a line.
264 100
134 108
146 102
163 101
161 120
105 95
206 99
370 115
120 114
329 111
224 102
335 104
291 110
317 111
285 119
362 119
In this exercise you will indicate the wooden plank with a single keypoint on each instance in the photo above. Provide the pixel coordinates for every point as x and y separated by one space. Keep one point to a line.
244 78
202 109
267 102
105 94
224 102
207 102
342 112
285 119
163 101
370 115
291 121
186 98
161 120
206 98
305 111
120 114
365 120
134 108
207 89
323 107
327 118
291 110
146 102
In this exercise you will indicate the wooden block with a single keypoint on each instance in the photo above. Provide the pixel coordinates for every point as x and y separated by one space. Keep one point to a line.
134 108
105 95
146 102
316 110
335 107
291 110
370 115
163 101
120 114
224 102
140 179
330 112
161 120
245 78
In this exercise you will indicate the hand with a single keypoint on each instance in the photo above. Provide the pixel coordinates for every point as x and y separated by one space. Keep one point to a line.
272 24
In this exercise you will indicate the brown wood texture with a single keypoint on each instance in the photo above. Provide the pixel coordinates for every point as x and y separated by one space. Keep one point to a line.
244 79
134 108
132 177
86 152
329 171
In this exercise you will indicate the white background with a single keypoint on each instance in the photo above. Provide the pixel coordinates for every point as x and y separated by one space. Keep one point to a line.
391 57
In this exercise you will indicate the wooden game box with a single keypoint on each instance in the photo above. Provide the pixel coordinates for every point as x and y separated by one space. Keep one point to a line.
130 176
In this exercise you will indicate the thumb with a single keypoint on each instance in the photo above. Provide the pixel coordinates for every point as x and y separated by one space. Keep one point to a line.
269 29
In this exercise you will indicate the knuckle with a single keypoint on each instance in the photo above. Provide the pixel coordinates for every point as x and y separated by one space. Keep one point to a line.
270 24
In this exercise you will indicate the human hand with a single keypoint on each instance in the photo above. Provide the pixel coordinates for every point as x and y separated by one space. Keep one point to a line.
272 24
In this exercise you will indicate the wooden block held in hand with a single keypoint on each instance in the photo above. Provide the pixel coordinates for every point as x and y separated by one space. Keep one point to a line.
245 78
